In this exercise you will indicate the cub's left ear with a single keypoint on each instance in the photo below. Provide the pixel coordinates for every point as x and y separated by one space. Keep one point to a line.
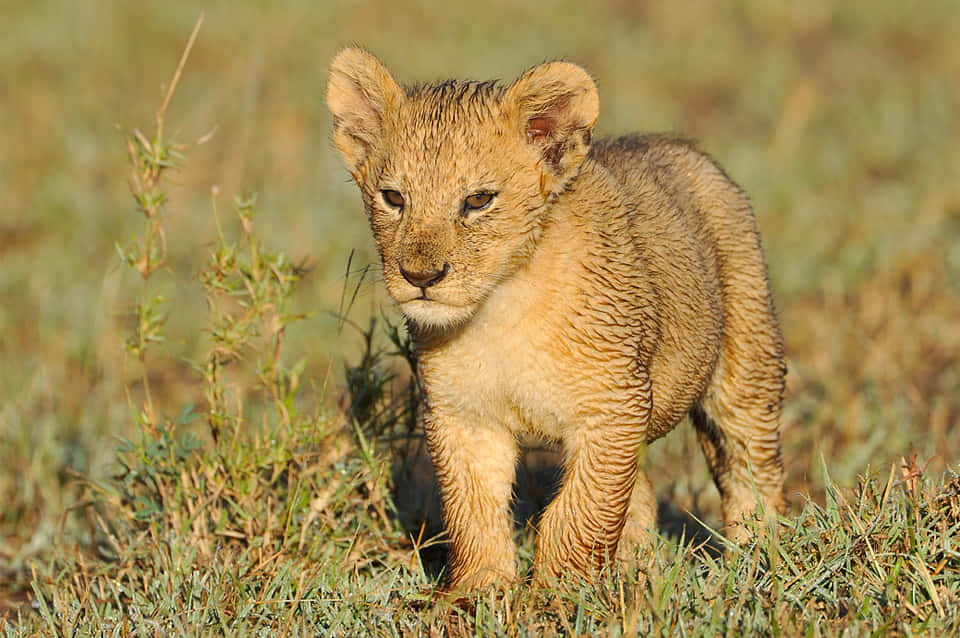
555 106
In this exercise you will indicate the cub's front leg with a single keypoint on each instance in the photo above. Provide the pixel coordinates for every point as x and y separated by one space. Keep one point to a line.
581 528
475 466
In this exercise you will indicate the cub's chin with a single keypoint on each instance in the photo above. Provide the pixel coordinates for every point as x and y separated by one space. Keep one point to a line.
434 315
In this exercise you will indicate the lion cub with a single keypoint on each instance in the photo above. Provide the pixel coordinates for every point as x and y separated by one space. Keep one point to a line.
589 293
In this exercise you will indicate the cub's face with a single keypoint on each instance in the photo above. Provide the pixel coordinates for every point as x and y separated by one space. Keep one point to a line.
457 178
454 202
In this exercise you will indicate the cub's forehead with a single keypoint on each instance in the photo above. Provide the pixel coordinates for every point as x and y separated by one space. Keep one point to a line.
455 100
455 111
447 135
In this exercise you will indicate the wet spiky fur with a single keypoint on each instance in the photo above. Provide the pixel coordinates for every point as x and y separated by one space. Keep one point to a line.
605 291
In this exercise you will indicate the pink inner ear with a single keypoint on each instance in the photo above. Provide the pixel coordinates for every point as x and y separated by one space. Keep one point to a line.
539 128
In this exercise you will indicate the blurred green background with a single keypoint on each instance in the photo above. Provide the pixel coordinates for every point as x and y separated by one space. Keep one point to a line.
840 119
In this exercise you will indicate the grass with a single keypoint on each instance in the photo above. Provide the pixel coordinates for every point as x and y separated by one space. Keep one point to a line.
226 460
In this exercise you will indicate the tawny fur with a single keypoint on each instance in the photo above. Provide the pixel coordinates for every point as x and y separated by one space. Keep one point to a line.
604 292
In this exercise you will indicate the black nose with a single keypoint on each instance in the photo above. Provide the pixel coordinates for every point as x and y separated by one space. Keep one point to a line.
424 278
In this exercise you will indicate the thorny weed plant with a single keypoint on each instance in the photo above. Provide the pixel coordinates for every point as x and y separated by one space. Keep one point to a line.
249 297
249 293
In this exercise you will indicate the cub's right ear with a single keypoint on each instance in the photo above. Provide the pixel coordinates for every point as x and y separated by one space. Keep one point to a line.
360 94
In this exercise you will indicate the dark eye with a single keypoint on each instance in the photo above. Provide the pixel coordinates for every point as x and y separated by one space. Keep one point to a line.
393 199
477 201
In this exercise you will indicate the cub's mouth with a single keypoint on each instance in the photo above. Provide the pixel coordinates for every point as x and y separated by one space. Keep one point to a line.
423 296
404 294
431 312
426 300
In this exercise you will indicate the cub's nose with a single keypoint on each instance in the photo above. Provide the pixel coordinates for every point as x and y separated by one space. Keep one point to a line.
424 278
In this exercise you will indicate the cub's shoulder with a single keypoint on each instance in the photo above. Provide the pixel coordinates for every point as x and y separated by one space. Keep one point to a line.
663 160
637 149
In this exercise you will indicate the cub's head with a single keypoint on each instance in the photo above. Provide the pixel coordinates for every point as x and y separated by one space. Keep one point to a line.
457 177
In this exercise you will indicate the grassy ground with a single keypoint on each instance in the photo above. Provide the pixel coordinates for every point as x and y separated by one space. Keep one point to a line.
270 505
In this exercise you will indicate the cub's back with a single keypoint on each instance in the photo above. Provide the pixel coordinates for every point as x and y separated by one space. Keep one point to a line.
693 228
668 176
691 186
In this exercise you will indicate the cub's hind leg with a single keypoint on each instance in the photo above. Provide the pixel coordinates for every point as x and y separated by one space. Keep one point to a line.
738 418
738 427
641 520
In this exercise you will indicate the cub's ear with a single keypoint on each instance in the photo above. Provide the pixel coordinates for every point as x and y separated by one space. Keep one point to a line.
555 106
360 94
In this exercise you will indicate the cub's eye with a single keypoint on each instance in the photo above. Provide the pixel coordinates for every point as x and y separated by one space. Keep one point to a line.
477 201
393 199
